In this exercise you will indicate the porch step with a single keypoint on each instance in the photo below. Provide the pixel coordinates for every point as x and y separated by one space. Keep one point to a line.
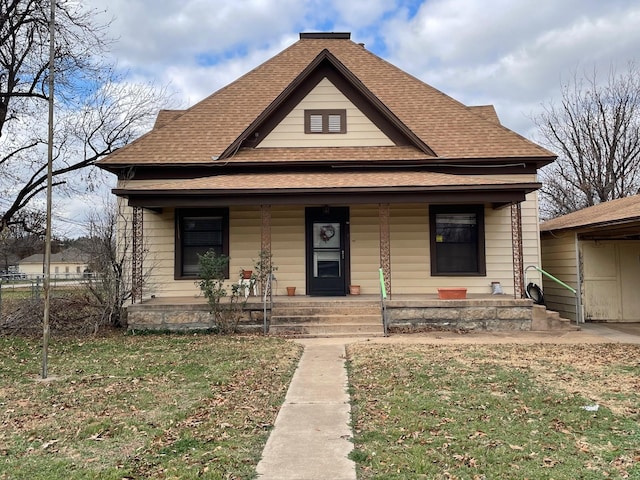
326 319
543 319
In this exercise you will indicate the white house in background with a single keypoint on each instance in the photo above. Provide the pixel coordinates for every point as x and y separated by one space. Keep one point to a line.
70 263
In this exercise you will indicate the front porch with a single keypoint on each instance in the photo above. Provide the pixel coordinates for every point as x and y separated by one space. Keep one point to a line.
344 315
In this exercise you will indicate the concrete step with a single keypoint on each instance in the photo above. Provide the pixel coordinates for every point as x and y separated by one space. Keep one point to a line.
326 330
326 319
543 320
304 310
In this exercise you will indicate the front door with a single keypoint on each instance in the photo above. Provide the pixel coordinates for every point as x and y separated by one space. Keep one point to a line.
327 234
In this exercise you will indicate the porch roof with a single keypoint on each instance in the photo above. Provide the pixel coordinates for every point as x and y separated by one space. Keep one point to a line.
326 187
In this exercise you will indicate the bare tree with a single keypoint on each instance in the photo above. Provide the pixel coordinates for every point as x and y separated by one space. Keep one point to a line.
109 246
595 129
96 112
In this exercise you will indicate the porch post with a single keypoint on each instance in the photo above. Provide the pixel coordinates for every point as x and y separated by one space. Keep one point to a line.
516 247
265 229
385 245
137 255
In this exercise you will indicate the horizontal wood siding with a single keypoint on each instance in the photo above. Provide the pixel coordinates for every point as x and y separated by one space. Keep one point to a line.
559 259
410 265
288 248
365 248
410 260
325 96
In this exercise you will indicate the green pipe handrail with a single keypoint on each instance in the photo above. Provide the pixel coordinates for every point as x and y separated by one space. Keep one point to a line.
383 298
561 283
558 281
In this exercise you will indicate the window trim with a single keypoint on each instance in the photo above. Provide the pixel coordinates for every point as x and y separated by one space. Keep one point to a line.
478 210
325 121
180 213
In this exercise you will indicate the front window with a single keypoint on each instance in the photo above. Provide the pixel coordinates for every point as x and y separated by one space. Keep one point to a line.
197 232
457 240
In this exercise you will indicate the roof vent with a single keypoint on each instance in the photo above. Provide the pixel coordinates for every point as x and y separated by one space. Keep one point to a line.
326 35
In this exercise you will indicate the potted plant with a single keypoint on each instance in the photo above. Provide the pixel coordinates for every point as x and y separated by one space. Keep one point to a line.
452 293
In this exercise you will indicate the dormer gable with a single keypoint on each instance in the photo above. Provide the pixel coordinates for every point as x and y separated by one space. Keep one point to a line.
326 73
326 118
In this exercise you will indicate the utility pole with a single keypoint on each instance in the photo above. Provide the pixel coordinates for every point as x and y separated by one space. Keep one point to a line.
47 247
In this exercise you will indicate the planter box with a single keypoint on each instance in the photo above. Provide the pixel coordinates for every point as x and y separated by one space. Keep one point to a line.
452 293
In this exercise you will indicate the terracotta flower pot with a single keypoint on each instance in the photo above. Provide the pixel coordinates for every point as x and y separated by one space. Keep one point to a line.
452 293
354 289
246 274
291 291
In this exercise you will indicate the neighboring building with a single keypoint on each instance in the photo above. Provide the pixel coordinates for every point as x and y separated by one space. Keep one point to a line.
70 263
597 252
339 163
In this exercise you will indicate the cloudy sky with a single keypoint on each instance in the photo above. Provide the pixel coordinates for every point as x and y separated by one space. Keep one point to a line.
513 54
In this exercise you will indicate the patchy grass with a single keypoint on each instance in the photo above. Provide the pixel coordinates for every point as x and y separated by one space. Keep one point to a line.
499 411
153 406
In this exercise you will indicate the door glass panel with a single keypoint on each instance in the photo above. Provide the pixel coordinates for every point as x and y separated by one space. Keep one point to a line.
327 254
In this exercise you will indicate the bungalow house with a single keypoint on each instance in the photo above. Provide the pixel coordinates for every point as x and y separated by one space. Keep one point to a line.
338 163
596 251
69 263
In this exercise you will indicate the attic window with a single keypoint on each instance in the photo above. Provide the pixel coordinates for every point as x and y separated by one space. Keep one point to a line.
325 121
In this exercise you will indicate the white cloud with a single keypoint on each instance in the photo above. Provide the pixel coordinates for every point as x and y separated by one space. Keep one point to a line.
513 54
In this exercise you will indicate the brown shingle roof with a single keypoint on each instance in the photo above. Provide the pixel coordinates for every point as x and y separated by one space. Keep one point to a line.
622 210
273 181
208 128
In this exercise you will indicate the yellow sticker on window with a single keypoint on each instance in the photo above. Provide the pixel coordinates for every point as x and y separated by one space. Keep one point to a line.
439 238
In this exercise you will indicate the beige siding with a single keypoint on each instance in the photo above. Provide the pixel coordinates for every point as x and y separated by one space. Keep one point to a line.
365 248
288 248
410 260
410 270
559 259
360 130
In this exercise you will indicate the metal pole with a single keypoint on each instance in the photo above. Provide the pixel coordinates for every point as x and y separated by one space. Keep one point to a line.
47 248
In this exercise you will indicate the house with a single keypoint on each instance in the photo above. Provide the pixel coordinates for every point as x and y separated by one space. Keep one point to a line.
69 263
596 251
338 163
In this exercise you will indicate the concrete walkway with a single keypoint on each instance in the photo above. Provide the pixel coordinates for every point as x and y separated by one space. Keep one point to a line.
311 438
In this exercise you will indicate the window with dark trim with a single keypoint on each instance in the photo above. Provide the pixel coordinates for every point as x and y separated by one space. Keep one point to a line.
197 231
325 121
457 240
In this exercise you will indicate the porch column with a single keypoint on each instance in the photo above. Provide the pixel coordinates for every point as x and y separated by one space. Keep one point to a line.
516 247
137 255
385 245
265 229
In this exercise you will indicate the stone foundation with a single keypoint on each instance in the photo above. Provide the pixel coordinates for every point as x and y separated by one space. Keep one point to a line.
186 317
497 314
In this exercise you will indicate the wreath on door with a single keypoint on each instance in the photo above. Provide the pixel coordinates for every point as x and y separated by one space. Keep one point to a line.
327 232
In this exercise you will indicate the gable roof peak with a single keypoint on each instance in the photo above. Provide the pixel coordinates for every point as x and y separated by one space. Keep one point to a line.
325 35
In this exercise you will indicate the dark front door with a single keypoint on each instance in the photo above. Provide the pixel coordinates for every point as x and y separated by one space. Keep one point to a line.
327 231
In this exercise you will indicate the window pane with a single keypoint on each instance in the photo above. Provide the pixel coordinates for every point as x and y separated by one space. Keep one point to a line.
335 123
456 242
315 123
199 234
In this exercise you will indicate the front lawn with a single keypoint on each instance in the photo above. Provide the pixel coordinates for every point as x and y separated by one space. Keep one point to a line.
130 407
496 411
